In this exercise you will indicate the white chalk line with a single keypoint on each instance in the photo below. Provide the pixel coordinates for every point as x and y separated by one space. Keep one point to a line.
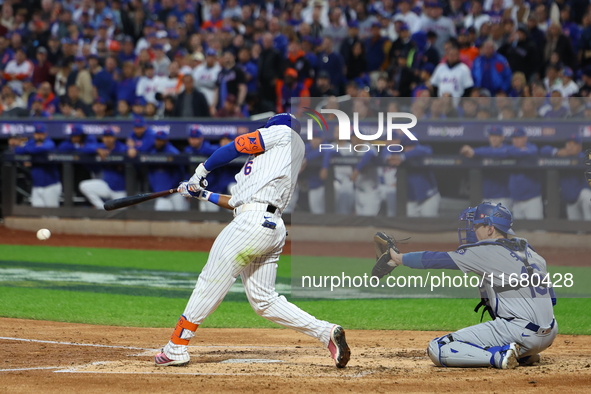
26 369
153 349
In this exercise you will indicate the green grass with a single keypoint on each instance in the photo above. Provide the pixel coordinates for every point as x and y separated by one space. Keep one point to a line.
126 309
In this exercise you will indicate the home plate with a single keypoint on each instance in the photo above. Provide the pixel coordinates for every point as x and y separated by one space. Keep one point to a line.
249 361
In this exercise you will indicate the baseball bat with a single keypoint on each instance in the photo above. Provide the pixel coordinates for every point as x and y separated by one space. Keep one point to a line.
138 198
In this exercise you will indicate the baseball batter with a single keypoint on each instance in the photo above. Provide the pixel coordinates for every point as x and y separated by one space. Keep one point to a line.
251 244
523 317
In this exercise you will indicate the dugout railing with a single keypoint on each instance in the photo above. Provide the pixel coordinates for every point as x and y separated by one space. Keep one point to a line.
451 165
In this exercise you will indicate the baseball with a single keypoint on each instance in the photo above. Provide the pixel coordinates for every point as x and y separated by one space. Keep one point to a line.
43 234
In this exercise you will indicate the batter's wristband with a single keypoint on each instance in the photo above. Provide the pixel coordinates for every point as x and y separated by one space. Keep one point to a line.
214 198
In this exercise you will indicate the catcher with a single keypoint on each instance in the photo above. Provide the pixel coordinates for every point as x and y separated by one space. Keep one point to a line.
522 315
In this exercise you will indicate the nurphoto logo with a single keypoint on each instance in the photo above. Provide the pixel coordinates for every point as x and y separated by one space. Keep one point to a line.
345 127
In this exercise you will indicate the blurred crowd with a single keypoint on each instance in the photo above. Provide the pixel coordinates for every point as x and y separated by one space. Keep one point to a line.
203 58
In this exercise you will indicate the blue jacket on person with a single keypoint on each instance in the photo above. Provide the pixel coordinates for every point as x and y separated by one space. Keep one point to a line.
495 182
206 149
334 65
126 90
524 184
421 182
43 174
106 86
162 177
114 174
571 182
493 73
375 53
145 142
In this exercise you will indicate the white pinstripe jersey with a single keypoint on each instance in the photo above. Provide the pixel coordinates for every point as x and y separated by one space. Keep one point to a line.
271 177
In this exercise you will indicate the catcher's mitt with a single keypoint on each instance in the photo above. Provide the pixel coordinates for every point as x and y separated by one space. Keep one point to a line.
383 243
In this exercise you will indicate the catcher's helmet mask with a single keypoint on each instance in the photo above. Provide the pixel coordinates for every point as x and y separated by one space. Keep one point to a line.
487 214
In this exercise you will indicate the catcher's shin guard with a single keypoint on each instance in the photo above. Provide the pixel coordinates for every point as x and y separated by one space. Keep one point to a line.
446 352
180 331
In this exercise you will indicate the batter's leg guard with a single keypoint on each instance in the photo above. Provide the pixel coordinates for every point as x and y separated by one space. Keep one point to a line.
183 332
446 352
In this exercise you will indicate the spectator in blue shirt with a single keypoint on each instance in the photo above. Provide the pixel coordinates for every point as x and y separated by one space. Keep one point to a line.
332 62
375 48
491 70
126 88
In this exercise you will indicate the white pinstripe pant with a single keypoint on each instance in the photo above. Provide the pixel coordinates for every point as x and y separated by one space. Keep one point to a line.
248 249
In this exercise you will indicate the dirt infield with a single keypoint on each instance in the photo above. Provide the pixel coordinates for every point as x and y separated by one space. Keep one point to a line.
264 360
50 357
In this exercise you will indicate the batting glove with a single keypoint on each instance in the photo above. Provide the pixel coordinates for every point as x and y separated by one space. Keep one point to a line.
197 181
186 191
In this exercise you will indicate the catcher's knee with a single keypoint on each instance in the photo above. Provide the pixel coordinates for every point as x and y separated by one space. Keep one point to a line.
434 351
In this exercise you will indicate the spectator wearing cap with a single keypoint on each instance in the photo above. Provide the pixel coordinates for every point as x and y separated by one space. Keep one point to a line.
206 74
191 102
403 44
126 87
78 141
568 86
231 80
81 77
165 177
552 79
270 66
49 101
453 76
428 53
333 64
557 42
321 87
111 183
101 10
491 70
521 53
147 85
525 186
346 49
18 69
288 88
424 79
127 53
138 106
99 108
42 70
47 187
433 19
161 61
141 139
476 18
495 183
37 110
574 189
467 47
376 48
408 16
54 50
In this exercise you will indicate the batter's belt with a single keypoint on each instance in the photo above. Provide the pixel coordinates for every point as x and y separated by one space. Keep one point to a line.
257 206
